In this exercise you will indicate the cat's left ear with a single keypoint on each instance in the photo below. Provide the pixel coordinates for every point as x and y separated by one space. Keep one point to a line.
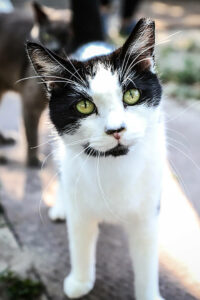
47 64
53 70
40 16
138 50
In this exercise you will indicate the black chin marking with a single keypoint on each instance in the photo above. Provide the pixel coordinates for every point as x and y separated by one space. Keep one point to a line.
116 151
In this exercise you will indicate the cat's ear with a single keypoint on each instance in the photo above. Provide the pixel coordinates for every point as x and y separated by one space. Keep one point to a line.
39 13
47 65
139 47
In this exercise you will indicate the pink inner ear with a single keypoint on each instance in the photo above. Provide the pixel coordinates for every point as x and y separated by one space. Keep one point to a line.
146 63
140 46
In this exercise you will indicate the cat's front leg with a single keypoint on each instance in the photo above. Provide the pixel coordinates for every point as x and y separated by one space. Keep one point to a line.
82 242
33 102
58 211
143 240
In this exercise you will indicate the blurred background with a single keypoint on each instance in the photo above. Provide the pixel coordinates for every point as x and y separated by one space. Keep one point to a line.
33 247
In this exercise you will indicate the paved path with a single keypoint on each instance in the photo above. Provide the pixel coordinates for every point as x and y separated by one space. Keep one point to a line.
46 243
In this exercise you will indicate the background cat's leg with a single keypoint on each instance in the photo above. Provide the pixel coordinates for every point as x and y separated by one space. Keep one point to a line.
34 102
3 139
82 240
143 239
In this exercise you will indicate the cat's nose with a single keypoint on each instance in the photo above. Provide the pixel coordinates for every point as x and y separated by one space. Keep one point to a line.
115 131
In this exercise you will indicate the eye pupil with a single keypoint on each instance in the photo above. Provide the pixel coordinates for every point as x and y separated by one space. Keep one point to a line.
85 107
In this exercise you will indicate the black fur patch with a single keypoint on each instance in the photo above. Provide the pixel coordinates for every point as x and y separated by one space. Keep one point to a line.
62 109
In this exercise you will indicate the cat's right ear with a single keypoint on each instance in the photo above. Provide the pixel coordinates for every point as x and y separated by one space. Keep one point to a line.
40 16
138 50
47 64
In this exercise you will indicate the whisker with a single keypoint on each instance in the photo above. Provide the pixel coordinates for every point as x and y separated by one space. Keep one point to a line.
178 133
179 143
181 112
76 70
64 67
40 145
38 76
46 158
128 78
179 177
52 81
186 155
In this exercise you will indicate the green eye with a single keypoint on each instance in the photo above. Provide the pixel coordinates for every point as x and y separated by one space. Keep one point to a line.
47 37
85 107
131 96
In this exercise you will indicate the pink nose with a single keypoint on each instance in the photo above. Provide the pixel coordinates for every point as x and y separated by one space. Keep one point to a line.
116 135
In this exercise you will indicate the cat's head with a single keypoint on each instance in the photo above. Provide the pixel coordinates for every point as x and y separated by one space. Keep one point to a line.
52 27
108 103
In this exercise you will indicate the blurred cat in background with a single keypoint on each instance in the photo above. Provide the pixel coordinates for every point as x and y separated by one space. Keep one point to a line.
52 28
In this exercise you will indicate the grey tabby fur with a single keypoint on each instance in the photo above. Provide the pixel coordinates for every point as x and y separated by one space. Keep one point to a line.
52 28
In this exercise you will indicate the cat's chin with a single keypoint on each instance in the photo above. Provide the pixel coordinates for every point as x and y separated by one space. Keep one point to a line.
118 150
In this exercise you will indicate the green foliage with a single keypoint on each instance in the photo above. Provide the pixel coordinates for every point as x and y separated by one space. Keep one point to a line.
189 74
16 288
179 68
166 51
192 47
183 91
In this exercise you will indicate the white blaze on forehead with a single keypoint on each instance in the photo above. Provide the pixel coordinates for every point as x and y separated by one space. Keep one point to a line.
104 82
107 94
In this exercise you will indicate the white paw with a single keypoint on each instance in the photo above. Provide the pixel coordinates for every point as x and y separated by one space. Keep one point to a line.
75 289
160 298
56 213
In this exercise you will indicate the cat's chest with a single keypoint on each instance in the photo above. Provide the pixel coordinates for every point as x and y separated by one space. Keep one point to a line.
106 186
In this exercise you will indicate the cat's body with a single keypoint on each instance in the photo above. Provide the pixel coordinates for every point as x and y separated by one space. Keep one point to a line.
13 69
111 154
15 29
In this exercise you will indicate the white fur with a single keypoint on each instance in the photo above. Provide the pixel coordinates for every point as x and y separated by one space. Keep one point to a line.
124 189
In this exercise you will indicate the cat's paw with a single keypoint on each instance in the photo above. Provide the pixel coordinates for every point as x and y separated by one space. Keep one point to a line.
75 289
56 213
160 298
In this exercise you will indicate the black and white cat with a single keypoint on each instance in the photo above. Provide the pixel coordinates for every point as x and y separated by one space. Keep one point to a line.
107 113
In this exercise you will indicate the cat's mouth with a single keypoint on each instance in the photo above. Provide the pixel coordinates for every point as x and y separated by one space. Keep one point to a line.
116 151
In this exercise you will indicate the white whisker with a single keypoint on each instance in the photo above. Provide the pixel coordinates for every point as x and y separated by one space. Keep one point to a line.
39 76
64 67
